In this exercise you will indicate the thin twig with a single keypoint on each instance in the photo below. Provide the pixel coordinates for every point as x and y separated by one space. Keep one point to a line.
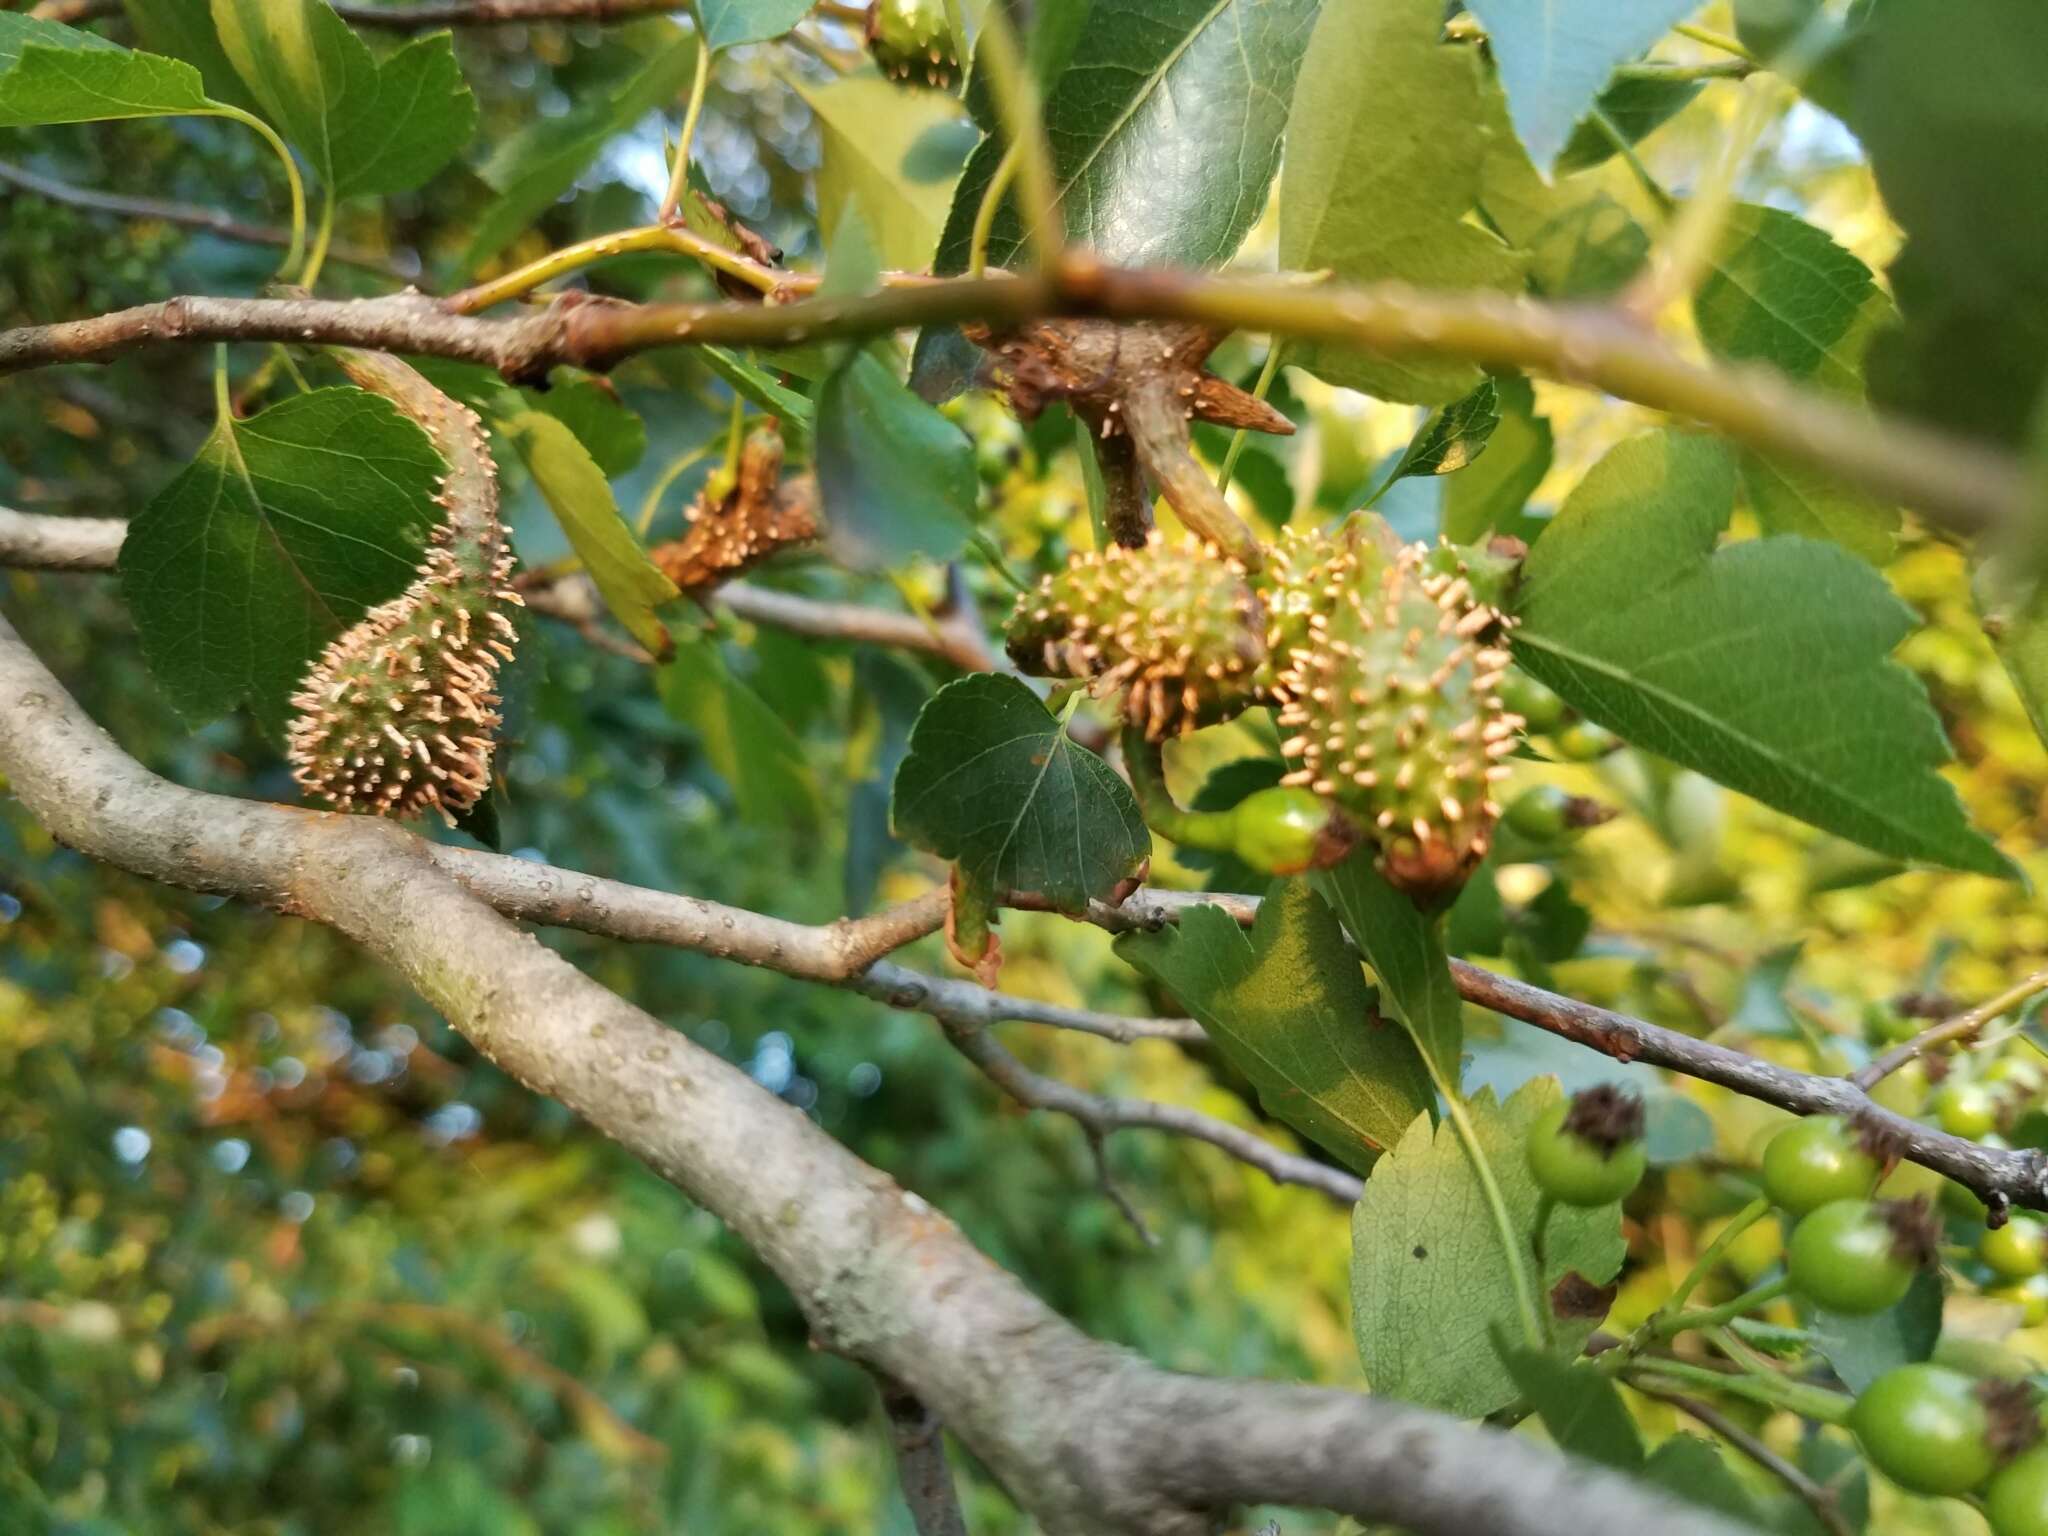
1966 486
1961 1027
192 216
919 1441
1816 1497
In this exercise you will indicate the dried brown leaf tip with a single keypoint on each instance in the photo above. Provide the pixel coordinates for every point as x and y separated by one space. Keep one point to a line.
398 715
1136 387
757 516
1605 1117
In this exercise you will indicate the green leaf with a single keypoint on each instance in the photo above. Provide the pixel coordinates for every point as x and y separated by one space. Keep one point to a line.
897 479
1490 492
1798 499
183 29
760 388
892 153
1954 120
50 73
538 164
2012 598
1165 136
614 435
1453 435
992 782
1636 107
1405 949
753 750
1580 1406
1764 666
1384 146
1692 1469
576 489
1287 1005
278 536
1555 58
368 125
1780 291
1428 1284
1861 1349
727 22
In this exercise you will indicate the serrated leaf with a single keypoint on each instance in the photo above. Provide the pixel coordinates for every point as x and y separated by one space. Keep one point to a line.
368 125
1428 1284
1580 1406
896 478
727 23
1861 1349
1384 145
1144 176
1489 493
1780 291
754 751
1405 949
993 782
1764 666
609 430
279 535
1692 1469
892 153
51 73
1799 499
1287 1005
1555 58
576 489
1453 435
1636 107
1954 119
538 164
760 388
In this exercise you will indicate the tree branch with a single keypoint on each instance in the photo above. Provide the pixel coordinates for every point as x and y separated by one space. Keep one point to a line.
42 541
1966 486
213 220
1087 1438
919 1441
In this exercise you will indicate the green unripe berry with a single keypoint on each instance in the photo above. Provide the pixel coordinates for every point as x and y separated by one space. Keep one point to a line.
1287 829
1816 1161
1541 813
910 40
1583 742
1926 1428
2016 1502
1885 1025
1589 1150
1542 709
1968 1110
2016 1251
1857 1257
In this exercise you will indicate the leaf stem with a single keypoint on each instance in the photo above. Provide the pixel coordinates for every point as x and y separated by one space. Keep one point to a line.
1016 96
296 252
584 253
679 175
1774 1391
322 237
651 502
991 204
1622 147
1496 1203
1666 1325
1267 373
1718 40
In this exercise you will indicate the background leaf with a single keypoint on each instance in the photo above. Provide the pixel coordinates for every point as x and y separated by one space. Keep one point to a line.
1406 952
1453 435
576 489
753 749
892 153
1286 1003
1763 665
1428 1286
1555 58
896 478
1580 1406
609 430
50 73
1165 141
368 125
727 22
992 782
278 536
1489 493
1384 146
1861 1349
536 165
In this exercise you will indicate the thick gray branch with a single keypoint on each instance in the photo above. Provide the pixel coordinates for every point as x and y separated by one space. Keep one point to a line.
1088 1438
